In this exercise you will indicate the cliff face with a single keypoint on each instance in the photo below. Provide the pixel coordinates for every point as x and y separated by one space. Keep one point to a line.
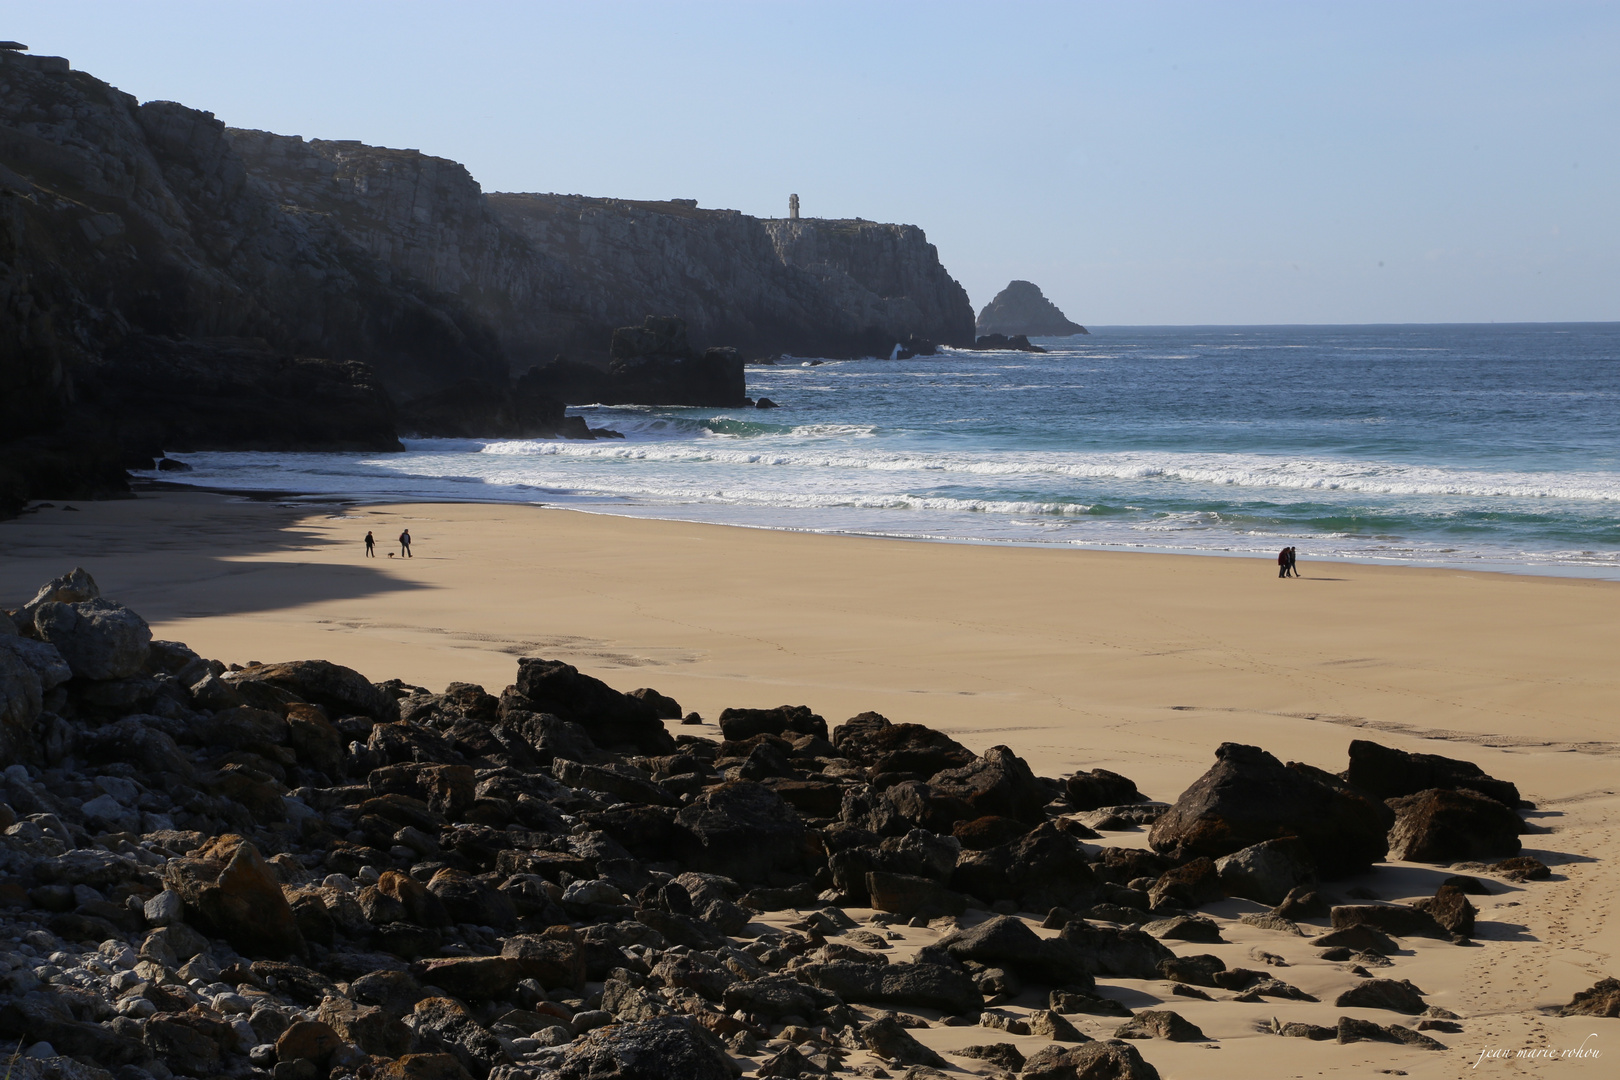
150 238
553 274
1021 308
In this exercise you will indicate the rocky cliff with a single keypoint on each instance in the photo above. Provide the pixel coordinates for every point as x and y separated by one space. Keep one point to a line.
1021 308
556 274
152 238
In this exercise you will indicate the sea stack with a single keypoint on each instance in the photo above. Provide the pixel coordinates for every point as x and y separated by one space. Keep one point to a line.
1021 308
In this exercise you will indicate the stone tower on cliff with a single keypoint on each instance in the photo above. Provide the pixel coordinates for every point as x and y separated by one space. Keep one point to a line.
793 208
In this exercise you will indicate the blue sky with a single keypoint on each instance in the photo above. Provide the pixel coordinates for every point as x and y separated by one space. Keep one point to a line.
1143 162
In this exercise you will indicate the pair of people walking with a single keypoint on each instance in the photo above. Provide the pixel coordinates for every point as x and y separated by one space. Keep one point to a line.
1287 560
404 545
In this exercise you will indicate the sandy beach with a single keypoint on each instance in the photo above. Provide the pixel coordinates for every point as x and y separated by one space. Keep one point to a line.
1076 659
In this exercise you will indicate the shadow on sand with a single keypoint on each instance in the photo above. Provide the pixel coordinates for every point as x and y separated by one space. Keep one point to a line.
191 555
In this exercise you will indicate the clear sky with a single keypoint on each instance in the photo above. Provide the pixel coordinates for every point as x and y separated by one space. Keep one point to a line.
1143 162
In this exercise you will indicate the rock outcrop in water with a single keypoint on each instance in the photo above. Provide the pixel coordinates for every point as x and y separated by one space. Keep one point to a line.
252 270
285 869
1021 308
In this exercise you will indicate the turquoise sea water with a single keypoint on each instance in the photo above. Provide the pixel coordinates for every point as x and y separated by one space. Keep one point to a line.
1492 447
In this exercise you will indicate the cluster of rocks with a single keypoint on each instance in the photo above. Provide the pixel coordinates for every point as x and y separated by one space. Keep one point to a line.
287 870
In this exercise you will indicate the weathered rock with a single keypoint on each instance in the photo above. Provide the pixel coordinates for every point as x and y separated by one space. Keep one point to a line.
898 751
1009 942
667 1048
1351 1030
1267 872
1602 999
741 830
1359 937
1400 920
369 1027
932 986
888 1040
97 638
466 899
1249 797
739 724
999 782
1160 1024
74 587
908 894
445 1025
555 959
309 1040
323 683
422 1067
1441 826
1387 773
613 720
1099 787
1110 1060
1451 909
1522 868
1001 1055
230 891
1043 869
1396 996
987 832
1197 970
473 978
1302 902
1066 1001
1122 952
663 706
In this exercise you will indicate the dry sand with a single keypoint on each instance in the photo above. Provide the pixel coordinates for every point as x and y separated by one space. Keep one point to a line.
1138 663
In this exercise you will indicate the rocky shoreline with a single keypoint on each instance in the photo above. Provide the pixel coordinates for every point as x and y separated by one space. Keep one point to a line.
287 870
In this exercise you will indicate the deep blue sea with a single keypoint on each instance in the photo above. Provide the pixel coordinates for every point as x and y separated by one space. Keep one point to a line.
1482 446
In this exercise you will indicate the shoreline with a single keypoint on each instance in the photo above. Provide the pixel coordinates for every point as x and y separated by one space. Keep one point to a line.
1572 572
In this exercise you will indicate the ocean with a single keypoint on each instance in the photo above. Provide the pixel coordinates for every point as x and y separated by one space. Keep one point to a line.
1477 446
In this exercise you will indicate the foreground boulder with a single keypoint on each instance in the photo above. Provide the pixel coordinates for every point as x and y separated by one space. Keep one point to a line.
666 1048
1111 1060
342 690
1441 826
99 639
1267 872
1249 797
228 890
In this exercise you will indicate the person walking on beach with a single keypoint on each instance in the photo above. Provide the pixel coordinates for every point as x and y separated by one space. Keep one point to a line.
371 545
1293 561
1282 563
405 545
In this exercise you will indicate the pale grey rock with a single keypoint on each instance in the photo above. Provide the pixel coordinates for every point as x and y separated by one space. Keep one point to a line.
98 639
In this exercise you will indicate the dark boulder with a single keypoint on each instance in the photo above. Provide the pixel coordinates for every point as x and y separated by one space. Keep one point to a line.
999 782
918 985
742 830
612 720
1102 1060
1396 996
897 752
739 724
1110 951
1387 773
1160 1024
1004 941
1249 797
1043 869
1266 873
1098 788
1442 826
1450 907
1397 919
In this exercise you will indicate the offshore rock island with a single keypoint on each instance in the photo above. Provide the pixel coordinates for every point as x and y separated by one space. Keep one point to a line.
152 259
